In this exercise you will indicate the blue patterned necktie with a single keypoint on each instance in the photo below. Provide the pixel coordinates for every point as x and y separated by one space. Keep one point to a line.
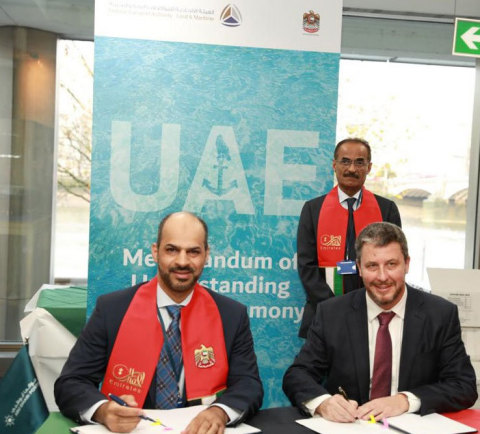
170 363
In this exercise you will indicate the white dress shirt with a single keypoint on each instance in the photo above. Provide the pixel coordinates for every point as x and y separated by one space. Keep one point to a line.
342 198
396 333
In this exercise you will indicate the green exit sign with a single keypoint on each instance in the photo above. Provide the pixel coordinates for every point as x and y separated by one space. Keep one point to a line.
466 39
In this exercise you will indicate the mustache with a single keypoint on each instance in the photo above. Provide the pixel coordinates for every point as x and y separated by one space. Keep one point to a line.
173 269
351 175
383 282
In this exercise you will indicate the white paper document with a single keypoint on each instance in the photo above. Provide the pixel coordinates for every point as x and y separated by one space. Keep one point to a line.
408 423
324 426
173 422
431 423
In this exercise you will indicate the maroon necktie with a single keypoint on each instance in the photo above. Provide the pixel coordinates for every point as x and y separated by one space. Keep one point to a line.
382 365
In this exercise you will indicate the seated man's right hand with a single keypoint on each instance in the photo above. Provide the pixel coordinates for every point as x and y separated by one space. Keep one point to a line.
119 418
338 409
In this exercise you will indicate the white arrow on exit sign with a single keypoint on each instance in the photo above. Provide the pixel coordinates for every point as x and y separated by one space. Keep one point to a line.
470 37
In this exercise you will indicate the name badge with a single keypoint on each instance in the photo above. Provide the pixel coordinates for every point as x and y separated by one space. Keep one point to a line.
346 267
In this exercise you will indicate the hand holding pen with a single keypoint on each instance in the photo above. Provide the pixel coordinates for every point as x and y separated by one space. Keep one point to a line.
119 417
338 408
121 402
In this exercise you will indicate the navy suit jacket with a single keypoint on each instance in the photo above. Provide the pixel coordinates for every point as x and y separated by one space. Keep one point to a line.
433 363
77 387
313 277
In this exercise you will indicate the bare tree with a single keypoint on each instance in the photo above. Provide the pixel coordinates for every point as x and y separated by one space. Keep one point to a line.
75 123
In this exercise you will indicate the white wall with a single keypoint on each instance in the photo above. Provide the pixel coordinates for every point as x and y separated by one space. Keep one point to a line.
461 8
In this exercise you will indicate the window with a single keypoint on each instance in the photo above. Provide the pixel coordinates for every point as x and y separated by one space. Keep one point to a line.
75 98
418 120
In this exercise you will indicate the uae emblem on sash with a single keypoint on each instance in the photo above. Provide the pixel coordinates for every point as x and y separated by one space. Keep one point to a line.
204 357
311 22
331 240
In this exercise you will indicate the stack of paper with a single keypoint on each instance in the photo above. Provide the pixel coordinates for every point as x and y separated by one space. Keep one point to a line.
409 423
172 422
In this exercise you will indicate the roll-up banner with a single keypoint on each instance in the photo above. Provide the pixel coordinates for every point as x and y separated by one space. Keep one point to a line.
227 110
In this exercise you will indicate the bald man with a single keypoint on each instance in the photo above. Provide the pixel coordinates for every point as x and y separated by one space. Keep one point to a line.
152 357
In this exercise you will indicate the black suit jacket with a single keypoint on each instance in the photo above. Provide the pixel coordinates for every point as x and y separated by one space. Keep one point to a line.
433 363
77 387
313 277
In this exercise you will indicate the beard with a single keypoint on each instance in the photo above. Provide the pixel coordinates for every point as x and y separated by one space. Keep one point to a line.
179 286
386 300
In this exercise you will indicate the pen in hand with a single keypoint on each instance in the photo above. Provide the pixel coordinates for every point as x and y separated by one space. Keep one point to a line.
120 401
342 392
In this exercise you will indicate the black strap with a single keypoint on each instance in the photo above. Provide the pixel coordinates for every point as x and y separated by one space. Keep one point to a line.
350 245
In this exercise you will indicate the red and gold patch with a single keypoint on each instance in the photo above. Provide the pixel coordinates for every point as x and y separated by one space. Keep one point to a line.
204 357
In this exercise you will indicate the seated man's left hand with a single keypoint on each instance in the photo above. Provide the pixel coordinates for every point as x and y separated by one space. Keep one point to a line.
209 421
381 408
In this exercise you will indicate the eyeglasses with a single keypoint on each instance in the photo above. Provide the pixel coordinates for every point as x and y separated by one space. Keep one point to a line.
359 162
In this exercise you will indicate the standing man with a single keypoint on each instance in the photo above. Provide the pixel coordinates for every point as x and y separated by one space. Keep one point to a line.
391 348
165 344
328 224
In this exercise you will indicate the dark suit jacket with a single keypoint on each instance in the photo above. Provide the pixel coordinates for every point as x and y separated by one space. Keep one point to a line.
433 363
313 277
77 387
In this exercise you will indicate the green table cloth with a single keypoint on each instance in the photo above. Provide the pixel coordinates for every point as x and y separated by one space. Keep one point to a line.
56 423
67 305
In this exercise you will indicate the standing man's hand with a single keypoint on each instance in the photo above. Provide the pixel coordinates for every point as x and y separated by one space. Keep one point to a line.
381 408
119 418
209 421
338 409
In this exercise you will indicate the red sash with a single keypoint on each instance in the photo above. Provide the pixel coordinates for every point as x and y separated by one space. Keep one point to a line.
133 361
333 222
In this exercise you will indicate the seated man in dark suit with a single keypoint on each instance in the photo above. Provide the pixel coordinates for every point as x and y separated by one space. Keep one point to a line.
165 344
391 348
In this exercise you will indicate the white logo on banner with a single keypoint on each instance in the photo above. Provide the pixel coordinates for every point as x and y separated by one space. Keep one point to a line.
220 174
168 171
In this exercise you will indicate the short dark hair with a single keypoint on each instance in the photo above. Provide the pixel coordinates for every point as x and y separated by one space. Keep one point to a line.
164 220
381 234
355 140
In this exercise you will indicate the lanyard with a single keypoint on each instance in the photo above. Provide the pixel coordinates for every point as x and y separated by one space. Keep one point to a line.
178 372
359 200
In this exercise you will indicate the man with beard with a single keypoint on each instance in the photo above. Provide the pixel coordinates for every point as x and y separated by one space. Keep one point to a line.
164 344
391 348
328 224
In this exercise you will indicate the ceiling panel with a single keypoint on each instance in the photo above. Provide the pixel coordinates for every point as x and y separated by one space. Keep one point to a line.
71 19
